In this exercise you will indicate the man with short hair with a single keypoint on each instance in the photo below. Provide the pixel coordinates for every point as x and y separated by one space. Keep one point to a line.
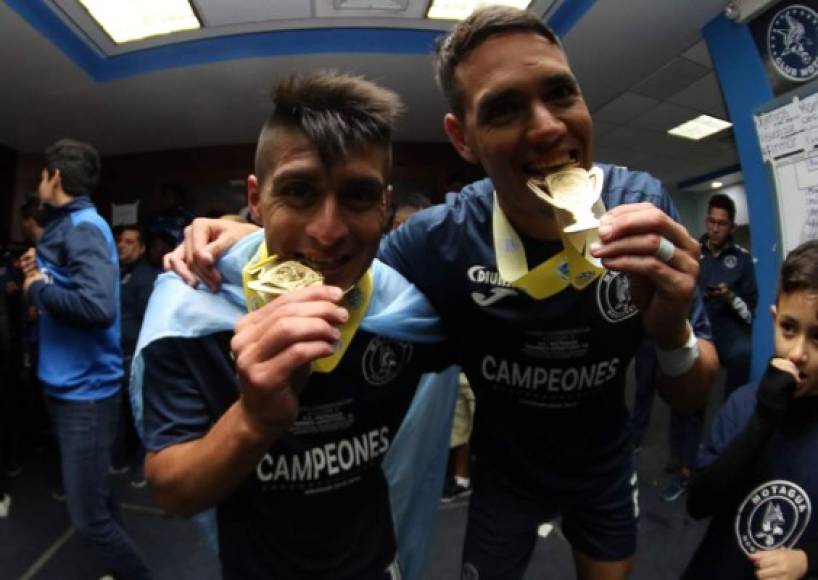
727 281
72 279
281 418
546 358
30 214
136 278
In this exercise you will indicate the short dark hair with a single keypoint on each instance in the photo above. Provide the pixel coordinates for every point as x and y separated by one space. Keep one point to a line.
471 33
78 163
722 201
31 208
132 227
411 199
337 113
799 272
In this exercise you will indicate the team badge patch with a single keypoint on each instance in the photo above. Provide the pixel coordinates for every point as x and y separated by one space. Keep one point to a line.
791 43
384 359
613 296
730 262
773 515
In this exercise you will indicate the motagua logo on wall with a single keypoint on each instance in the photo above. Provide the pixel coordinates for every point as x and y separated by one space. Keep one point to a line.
792 42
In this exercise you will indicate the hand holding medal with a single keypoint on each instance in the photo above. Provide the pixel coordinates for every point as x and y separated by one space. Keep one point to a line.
574 193
266 280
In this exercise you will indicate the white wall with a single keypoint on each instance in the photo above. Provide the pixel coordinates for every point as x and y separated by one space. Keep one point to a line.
692 206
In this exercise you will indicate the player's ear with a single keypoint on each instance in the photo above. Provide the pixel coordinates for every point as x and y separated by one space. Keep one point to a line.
457 135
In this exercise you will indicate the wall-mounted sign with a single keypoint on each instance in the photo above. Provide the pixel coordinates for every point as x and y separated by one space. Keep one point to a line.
787 39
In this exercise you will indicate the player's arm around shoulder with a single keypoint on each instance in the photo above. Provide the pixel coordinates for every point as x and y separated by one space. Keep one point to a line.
272 347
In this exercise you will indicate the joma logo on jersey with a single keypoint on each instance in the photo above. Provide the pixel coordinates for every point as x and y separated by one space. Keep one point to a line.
482 275
773 515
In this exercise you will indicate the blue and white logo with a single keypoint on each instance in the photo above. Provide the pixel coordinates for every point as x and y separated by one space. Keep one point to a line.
792 42
772 516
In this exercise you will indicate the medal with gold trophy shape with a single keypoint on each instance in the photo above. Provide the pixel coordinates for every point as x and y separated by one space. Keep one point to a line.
575 193
265 278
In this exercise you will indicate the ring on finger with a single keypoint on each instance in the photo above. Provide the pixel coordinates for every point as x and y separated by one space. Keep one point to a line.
665 250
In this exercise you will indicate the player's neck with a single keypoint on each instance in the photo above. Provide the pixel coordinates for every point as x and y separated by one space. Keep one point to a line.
714 249
536 225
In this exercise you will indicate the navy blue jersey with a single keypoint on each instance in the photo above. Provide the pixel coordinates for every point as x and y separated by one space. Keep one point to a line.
732 266
549 375
779 499
317 504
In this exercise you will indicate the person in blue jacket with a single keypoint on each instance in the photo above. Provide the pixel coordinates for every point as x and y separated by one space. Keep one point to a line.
757 475
73 279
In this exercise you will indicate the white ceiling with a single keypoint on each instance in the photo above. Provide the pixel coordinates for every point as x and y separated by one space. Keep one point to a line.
642 65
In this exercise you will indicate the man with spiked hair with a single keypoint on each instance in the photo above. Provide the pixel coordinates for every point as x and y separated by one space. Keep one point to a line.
281 417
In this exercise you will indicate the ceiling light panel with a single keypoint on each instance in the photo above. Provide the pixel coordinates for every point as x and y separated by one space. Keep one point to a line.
369 8
226 13
130 20
460 9
700 127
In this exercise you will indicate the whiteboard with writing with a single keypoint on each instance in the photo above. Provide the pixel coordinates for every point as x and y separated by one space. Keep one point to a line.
788 137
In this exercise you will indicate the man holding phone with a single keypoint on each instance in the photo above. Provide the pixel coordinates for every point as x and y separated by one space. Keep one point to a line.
727 282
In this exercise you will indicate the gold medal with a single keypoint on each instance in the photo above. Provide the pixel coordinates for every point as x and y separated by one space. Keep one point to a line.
575 196
265 279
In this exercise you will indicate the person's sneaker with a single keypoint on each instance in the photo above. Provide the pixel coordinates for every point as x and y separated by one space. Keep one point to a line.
114 470
675 488
138 483
5 505
454 490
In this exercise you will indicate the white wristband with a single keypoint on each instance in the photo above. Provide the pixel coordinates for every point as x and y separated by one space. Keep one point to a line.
678 361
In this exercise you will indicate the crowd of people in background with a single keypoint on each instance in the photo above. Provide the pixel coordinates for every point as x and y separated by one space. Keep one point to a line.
216 408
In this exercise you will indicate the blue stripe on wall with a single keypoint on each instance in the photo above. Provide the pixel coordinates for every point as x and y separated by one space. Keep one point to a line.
745 86
568 14
259 44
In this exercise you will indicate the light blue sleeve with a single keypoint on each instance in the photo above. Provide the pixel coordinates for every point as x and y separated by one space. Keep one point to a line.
415 468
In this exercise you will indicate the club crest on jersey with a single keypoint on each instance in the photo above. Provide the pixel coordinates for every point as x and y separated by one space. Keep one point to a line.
791 42
500 288
730 262
613 296
384 359
772 516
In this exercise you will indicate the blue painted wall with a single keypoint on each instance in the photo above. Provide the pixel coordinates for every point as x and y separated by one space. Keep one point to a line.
102 68
745 87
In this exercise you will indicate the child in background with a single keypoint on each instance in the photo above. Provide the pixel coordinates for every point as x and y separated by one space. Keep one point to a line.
757 475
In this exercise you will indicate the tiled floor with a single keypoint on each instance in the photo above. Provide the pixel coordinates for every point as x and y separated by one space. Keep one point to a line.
37 542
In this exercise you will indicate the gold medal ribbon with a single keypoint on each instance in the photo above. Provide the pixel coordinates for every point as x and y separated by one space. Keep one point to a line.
356 301
573 266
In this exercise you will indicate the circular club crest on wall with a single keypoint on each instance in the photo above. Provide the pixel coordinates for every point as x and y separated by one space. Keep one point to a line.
792 42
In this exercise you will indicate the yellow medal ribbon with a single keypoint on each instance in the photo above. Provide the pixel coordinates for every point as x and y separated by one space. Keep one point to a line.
356 301
573 266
